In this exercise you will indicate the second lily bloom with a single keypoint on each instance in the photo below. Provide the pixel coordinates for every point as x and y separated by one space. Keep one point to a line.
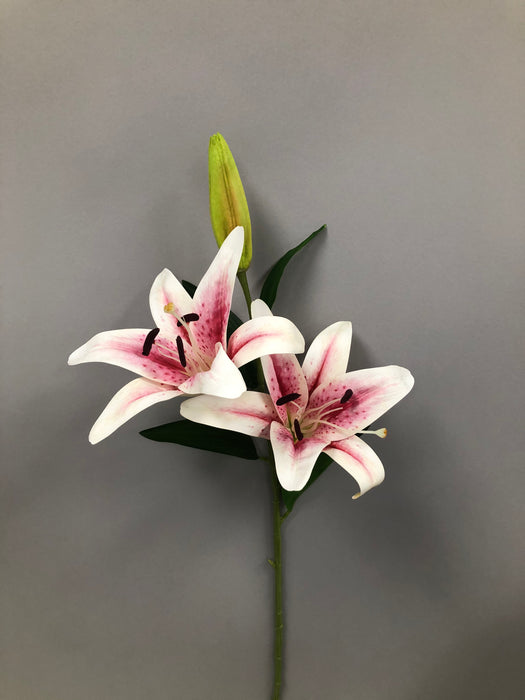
316 408
187 352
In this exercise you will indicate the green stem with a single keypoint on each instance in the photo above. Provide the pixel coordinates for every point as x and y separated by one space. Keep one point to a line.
278 573
276 563
241 276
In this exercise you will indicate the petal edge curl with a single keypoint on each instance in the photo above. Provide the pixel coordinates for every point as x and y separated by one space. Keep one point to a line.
359 460
133 398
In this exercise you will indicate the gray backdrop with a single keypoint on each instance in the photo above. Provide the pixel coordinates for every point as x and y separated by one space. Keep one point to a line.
137 570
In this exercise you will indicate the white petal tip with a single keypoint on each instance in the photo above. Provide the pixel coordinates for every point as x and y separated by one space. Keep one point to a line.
163 276
260 308
235 237
409 379
292 484
237 231
99 432
75 358
232 393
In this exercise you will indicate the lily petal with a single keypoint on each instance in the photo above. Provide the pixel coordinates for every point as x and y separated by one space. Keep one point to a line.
359 460
213 296
123 348
286 384
327 356
166 289
251 414
374 391
264 336
294 462
130 400
260 308
222 379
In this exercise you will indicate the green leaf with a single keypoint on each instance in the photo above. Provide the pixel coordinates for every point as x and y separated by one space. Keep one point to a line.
249 374
204 437
233 321
189 287
290 497
271 283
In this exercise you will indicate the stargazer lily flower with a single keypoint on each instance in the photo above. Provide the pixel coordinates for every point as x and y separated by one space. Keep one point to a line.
316 408
187 351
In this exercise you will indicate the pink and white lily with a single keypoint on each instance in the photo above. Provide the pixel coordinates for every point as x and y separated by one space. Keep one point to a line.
316 408
187 351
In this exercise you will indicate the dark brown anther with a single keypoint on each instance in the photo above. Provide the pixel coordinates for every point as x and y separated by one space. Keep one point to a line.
149 340
286 399
347 395
180 348
188 318
297 429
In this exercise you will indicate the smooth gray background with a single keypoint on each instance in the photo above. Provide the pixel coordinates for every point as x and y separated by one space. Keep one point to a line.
137 570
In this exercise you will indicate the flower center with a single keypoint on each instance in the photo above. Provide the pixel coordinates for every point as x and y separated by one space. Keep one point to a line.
316 416
188 353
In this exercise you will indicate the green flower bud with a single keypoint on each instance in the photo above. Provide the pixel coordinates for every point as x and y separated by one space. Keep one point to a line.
228 206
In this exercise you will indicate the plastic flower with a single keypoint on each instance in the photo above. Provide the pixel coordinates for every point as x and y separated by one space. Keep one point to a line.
316 408
186 352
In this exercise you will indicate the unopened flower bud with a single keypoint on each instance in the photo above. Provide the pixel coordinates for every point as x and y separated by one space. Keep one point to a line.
228 206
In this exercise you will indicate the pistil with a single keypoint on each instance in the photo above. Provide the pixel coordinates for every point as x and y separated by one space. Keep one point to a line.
380 432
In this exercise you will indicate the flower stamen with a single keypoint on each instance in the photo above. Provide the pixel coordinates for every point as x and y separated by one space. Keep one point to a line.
202 362
297 429
347 396
180 348
286 399
149 340
187 318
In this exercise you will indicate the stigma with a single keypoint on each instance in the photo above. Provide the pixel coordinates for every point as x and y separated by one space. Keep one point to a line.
380 432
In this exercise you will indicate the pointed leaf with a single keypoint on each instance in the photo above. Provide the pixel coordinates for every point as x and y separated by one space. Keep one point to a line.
271 283
249 374
204 437
189 287
290 497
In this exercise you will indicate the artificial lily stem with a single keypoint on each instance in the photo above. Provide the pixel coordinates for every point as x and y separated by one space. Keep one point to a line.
241 276
277 567
276 562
